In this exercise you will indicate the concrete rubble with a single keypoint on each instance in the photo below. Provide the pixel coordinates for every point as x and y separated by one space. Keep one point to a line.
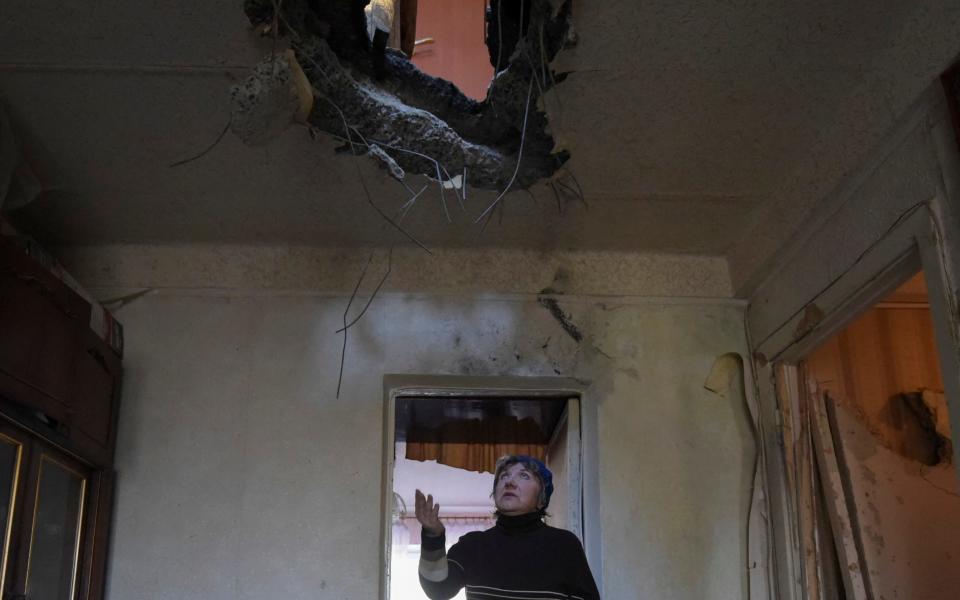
423 123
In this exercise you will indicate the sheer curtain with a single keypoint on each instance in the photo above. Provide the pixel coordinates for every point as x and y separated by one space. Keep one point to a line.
405 551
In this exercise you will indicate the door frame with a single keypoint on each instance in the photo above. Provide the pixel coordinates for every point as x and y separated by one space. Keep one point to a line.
450 386
915 243
570 424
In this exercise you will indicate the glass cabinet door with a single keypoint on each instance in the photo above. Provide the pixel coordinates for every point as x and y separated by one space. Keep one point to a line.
45 511
11 453
56 531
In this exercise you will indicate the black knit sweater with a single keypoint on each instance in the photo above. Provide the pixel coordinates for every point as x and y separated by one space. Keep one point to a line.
521 557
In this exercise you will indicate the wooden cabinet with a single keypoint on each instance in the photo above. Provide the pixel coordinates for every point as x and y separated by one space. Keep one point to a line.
53 509
37 341
59 400
91 409
56 375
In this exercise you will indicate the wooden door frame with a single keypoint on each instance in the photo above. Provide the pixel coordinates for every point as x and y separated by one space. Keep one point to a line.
451 386
571 421
915 244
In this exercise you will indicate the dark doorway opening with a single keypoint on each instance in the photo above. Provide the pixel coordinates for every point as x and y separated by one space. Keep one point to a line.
448 446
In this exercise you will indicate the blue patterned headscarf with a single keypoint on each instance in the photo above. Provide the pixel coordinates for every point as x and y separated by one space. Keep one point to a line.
533 465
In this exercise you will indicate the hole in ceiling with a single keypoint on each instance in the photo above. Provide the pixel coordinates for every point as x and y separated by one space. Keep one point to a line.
340 81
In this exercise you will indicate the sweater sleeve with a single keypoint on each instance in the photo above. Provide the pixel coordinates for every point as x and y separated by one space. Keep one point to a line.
441 577
581 583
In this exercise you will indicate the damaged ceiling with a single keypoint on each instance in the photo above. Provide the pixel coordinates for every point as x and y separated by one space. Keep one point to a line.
377 102
689 126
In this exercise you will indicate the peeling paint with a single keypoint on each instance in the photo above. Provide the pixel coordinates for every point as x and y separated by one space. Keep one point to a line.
721 376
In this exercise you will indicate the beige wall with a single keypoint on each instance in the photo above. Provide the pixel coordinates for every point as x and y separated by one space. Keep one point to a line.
242 476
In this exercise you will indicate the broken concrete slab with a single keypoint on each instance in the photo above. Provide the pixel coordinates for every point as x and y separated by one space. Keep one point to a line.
426 124
274 96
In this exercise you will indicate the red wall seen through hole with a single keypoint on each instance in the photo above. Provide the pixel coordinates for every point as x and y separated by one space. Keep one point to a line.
458 52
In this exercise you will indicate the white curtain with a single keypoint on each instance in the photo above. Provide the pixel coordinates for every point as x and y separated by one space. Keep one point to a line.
458 526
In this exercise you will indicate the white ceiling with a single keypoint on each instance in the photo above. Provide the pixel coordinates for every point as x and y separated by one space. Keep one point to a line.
686 120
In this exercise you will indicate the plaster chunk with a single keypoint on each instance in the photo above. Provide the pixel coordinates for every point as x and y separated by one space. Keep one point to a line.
265 103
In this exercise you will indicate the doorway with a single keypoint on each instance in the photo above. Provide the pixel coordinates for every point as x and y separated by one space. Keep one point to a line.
446 443
879 501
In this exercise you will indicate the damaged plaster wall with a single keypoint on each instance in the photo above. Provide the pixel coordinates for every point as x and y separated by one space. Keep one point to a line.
240 475
884 367
908 516
893 440
906 193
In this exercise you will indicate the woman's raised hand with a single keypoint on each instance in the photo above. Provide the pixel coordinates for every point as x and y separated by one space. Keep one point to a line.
428 514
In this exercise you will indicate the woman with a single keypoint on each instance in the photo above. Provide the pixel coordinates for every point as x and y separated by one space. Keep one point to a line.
521 557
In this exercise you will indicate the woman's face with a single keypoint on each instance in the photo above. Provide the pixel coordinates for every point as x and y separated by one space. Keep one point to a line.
517 491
